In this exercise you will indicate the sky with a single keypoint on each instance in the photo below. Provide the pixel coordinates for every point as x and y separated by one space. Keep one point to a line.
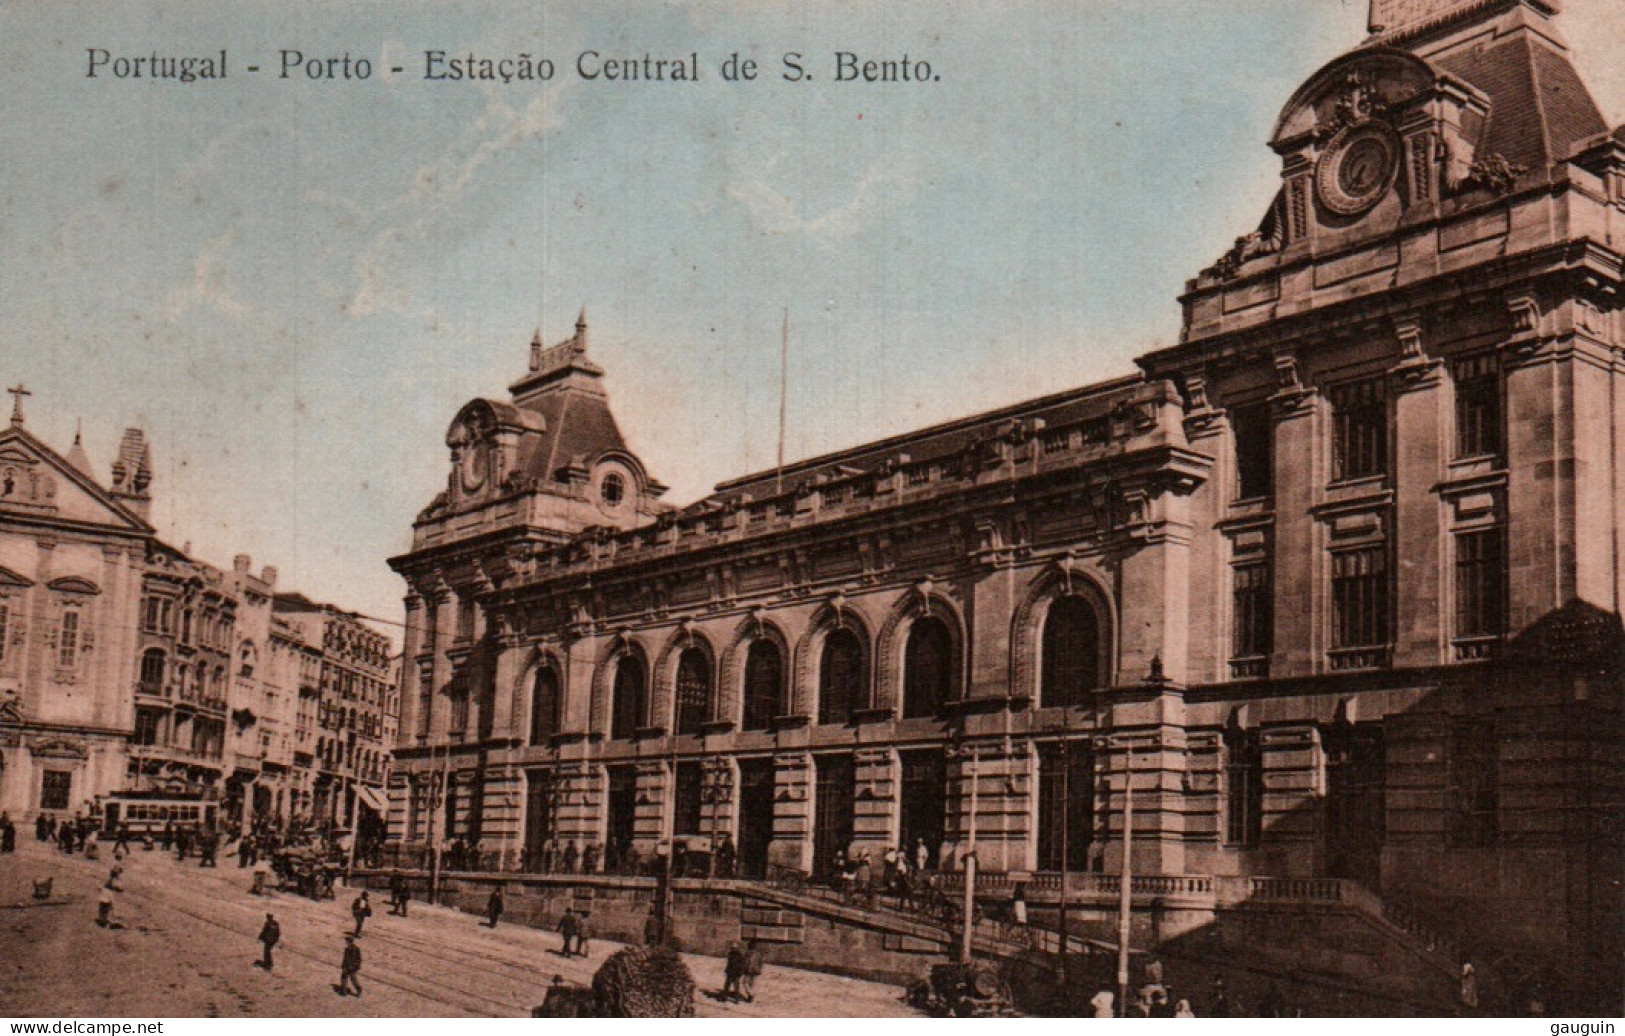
293 284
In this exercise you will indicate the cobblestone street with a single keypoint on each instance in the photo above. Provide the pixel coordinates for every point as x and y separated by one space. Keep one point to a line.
184 946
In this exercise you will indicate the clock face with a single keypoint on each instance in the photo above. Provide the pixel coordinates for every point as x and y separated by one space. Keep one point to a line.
1357 169
473 465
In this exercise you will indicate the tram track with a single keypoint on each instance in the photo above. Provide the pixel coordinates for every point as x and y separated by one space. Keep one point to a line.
391 971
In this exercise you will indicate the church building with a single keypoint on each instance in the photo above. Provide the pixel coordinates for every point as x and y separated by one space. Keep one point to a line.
1332 587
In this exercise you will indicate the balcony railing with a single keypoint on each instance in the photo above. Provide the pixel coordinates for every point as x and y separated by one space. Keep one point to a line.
1344 659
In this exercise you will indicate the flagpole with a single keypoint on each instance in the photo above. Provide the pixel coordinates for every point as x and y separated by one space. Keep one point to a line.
784 391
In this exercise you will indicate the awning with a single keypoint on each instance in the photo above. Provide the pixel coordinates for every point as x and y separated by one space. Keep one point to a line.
373 799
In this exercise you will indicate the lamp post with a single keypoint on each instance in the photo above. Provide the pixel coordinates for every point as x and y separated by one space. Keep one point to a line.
1125 888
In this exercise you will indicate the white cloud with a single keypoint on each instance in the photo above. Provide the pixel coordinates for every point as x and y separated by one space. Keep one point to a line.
210 287
774 211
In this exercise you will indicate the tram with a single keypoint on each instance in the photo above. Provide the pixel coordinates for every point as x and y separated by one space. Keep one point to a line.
146 813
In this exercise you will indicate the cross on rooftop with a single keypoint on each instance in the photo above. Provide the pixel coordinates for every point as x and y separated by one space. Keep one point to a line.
17 395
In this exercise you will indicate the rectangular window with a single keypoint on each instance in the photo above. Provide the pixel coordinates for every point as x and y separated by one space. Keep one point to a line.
1474 791
1360 598
1480 584
1254 429
55 789
686 818
146 727
67 641
1478 407
1253 600
465 619
1359 430
1244 787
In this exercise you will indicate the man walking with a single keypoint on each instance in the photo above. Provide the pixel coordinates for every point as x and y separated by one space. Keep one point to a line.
104 906
569 925
733 973
493 906
350 968
753 969
270 935
361 909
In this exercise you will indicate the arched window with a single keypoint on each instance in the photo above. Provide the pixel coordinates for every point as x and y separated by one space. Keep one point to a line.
928 667
764 685
629 706
693 691
1071 658
544 705
840 677
152 672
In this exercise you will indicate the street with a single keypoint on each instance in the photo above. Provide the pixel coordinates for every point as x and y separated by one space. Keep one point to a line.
184 945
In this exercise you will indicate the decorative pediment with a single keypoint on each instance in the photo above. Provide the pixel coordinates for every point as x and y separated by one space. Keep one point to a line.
33 479
74 585
8 578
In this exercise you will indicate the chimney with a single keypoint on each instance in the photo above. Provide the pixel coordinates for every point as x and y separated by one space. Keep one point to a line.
268 576
132 473
241 563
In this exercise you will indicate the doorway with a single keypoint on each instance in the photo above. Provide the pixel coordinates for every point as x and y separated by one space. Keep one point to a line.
755 816
832 812
623 811
923 805
1066 806
1356 803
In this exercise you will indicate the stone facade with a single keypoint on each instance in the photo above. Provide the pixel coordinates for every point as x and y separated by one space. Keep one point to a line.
1333 583
349 759
131 670
73 557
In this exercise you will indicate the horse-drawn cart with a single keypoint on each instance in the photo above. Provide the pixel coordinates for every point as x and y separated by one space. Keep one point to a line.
308 871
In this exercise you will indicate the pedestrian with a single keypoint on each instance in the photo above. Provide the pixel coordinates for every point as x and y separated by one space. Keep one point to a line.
208 846
583 933
1221 999
1469 989
726 856
569 925
1102 1003
262 877
753 970
245 849
122 844
922 856
1018 903
93 845
104 906
1183 1010
733 973
270 935
406 894
493 907
168 838
350 968
113 876
570 857
361 909
8 834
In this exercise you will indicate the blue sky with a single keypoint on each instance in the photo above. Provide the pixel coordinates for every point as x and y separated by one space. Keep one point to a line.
293 285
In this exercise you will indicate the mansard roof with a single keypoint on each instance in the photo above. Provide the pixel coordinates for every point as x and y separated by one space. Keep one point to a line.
1540 109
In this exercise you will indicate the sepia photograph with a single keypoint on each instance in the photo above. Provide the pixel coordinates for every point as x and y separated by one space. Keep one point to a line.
730 509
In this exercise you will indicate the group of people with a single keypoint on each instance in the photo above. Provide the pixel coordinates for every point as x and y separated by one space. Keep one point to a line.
743 966
71 834
349 983
575 930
